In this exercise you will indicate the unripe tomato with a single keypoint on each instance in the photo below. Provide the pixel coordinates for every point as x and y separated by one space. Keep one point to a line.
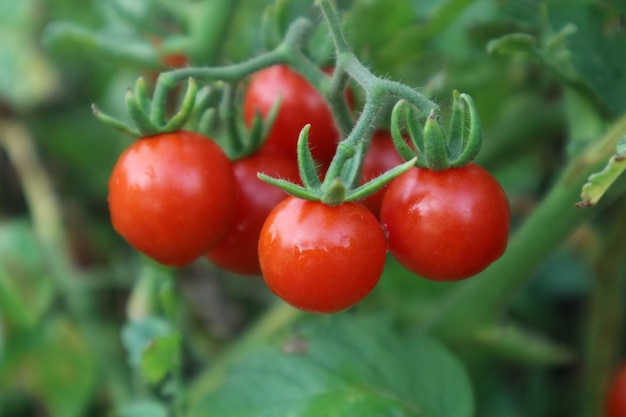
172 196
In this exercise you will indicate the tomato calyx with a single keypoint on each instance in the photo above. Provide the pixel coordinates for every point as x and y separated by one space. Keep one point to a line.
147 115
336 189
431 147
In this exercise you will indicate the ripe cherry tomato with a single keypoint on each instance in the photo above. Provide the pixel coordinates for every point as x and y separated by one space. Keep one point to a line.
380 157
300 105
172 196
238 251
320 258
446 225
616 396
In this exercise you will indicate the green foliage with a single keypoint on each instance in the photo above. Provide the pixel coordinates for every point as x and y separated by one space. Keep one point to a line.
344 365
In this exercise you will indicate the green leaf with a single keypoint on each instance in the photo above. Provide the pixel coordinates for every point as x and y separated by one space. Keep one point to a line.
600 182
160 357
596 48
26 291
344 365
27 78
52 364
142 409
153 346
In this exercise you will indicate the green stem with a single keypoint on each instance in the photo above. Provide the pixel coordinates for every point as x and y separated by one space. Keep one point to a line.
543 231
605 321
281 54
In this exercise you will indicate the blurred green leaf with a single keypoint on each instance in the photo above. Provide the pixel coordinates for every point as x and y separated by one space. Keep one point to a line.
153 347
600 182
142 409
138 334
160 356
52 365
341 366
25 290
596 48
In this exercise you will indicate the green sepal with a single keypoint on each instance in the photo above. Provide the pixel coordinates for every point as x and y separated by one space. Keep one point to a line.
435 144
351 170
116 124
379 182
456 132
599 183
141 95
472 138
306 164
290 188
177 121
335 194
139 117
207 122
403 149
414 125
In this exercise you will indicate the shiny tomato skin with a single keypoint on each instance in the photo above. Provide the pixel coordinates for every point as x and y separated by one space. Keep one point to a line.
380 157
238 251
446 225
616 396
171 196
300 105
319 258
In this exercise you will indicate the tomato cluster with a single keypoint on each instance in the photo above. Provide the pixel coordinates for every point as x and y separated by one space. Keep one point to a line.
177 197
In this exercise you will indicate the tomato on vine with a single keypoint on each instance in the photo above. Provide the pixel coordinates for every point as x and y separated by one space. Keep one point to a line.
380 157
321 258
300 105
446 225
171 196
238 251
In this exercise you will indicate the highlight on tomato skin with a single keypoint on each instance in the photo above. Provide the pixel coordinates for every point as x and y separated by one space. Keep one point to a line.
300 105
446 225
238 250
320 258
171 196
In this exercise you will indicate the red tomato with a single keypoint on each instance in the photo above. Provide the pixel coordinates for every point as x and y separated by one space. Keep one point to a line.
616 397
380 157
320 258
446 225
301 105
172 196
238 251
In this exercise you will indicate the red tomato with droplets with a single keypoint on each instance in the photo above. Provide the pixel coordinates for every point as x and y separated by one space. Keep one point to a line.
616 396
300 105
238 251
446 225
172 196
321 258
380 157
